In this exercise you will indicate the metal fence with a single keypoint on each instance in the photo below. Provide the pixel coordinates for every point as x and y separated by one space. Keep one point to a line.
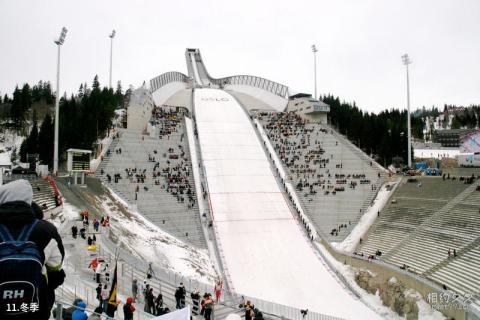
254 81
166 78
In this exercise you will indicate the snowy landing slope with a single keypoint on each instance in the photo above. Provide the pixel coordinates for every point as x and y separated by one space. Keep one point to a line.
265 251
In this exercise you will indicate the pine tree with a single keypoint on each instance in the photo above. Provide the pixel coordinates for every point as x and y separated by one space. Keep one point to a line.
47 93
119 94
95 84
80 91
16 110
45 140
33 137
26 98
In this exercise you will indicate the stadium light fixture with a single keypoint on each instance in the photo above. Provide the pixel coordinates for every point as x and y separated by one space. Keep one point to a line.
315 50
406 61
59 42
111 35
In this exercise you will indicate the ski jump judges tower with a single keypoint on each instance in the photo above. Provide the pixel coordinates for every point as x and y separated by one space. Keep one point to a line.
78 163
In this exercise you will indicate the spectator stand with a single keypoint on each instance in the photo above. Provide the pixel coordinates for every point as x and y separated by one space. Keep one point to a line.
426 222
334 184
153 174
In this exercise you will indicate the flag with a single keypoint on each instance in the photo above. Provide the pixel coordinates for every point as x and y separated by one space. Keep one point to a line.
113 291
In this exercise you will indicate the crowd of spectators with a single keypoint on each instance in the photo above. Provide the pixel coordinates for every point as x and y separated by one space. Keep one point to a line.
170 169
314 160
299 145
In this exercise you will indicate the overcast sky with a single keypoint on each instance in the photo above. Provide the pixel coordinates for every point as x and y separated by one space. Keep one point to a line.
359 43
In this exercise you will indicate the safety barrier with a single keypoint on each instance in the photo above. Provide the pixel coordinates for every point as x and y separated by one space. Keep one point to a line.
166 78
313 233
254 81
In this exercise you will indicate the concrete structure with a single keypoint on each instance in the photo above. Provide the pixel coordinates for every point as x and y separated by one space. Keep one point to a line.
308 108
139 110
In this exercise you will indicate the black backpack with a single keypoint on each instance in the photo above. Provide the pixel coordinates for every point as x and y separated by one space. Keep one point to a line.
21 274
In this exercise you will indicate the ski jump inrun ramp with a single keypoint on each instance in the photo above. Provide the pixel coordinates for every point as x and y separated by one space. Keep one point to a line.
265 251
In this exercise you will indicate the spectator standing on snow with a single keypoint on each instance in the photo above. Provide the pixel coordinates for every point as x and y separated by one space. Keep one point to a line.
128 309
74 231
180 294
134 289
208 307
195 295
249 310
158 304
99 294
150 298
105 295
218 290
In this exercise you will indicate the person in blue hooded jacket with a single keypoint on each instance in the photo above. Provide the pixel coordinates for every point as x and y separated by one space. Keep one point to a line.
79 313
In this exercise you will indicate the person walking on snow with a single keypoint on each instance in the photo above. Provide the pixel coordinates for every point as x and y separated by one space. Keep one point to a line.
134 289
180 296
208 304
128 309
218 290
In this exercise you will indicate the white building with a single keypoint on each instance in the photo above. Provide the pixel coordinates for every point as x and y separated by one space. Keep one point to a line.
308 108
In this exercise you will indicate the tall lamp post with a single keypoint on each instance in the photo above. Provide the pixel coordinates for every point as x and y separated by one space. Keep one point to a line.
406 61
315 50
111 35
59 43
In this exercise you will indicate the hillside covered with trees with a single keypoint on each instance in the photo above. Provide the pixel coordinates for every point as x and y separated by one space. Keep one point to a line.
84 118
383 135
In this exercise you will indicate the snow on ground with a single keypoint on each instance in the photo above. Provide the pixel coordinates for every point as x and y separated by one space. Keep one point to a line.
153 244
69 213
149 242
373 301
351 241
10 140
266 253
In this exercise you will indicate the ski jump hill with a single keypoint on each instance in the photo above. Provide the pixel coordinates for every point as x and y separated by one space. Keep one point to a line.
282 204
263 238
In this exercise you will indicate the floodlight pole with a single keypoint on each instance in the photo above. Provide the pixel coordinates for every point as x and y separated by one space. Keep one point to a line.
315 50
406 61
112 35
59 43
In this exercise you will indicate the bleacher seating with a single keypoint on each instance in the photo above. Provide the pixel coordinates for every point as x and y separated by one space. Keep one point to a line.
159 181
334 183
412 206
427 220
43 194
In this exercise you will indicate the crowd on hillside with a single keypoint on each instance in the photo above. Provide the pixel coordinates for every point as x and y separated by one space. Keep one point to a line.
167 119
301 147
170 170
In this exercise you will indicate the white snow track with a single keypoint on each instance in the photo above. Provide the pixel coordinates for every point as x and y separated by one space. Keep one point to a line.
265 251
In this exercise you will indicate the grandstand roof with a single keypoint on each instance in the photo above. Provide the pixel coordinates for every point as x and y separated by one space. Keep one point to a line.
300 95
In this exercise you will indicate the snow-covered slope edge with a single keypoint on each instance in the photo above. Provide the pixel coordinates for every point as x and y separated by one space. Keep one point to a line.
150 243
145 240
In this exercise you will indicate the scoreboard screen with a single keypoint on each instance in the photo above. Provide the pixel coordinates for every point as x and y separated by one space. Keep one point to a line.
80 161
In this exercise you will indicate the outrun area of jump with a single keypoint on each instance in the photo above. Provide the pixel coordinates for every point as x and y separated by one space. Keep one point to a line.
266 253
